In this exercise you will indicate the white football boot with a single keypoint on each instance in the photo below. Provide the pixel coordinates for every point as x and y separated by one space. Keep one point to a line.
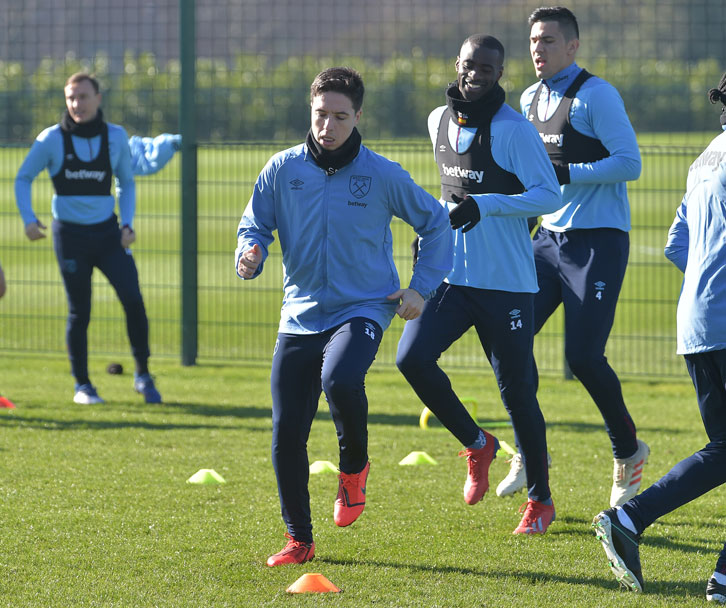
516 479
627 475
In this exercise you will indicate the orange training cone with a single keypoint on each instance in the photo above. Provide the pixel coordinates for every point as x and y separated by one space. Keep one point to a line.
312 583
6 403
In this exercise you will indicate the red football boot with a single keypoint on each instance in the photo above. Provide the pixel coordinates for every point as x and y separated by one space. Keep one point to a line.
351 499
295 552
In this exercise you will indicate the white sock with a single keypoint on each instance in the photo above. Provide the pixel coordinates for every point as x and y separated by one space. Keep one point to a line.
720 578
624 519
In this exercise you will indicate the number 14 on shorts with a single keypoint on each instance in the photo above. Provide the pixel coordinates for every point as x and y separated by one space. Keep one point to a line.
515 319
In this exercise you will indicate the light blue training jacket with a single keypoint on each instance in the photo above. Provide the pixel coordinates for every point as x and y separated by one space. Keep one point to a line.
597 196
151 154
47 153
697 246
497 252
336 240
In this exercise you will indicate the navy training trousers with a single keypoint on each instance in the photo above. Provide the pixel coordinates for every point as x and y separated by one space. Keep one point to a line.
504 323
702 471
335 361
584 270
79 248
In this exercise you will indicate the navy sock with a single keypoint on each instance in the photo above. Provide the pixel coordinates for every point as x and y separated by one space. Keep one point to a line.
479 443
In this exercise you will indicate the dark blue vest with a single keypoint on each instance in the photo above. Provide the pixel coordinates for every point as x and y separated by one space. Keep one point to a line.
473 171
80 178
563 143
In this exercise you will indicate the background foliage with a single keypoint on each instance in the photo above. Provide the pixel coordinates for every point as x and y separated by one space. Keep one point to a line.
239 102
258 57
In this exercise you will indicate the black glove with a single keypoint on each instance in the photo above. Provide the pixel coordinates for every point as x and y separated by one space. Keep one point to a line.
562 172
466 213
414 250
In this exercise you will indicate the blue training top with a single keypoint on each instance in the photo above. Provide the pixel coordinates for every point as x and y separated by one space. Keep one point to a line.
497 252
335 236
151 154
597 195
47 153
697 245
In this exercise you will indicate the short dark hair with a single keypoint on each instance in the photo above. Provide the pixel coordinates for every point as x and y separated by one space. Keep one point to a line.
719 94
80 77
560 14
340 80
486 41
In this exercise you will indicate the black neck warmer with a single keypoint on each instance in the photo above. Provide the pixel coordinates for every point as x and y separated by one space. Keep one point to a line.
474 113
82 129
333 160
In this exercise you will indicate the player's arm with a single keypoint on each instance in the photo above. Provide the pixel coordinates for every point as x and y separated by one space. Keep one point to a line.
125 186
676 249
432 125
522 153
255 229
430 221
151 154
42 155
603 109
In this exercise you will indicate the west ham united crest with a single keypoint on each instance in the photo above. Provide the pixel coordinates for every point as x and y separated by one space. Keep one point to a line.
359 185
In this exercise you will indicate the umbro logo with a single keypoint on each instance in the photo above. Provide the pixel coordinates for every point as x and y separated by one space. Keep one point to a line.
369 331
599 289
442 148
515 313
296 183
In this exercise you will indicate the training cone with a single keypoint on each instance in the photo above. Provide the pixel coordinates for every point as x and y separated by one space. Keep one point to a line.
323 466
415 458
312 583
6 403
505 449
206 476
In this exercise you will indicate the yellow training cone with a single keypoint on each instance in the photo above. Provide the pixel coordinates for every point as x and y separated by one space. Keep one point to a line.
204 476
423 419
415 458
506 448
312 583
323 466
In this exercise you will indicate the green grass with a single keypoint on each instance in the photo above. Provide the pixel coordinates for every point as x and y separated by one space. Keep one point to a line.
96 511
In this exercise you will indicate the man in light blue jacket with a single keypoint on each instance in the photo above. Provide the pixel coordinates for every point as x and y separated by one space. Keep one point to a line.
697 246
581 249
331 201
494 174
83 154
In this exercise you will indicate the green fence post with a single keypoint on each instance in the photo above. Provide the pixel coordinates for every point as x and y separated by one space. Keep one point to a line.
187 128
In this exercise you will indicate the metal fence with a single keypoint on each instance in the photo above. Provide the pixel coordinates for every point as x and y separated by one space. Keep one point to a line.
254 63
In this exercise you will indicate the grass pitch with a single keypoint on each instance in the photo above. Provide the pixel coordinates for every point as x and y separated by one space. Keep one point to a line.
97 511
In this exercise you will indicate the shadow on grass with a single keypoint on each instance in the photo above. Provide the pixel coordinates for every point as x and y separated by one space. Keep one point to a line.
53 424
675 589
77 417
202 409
